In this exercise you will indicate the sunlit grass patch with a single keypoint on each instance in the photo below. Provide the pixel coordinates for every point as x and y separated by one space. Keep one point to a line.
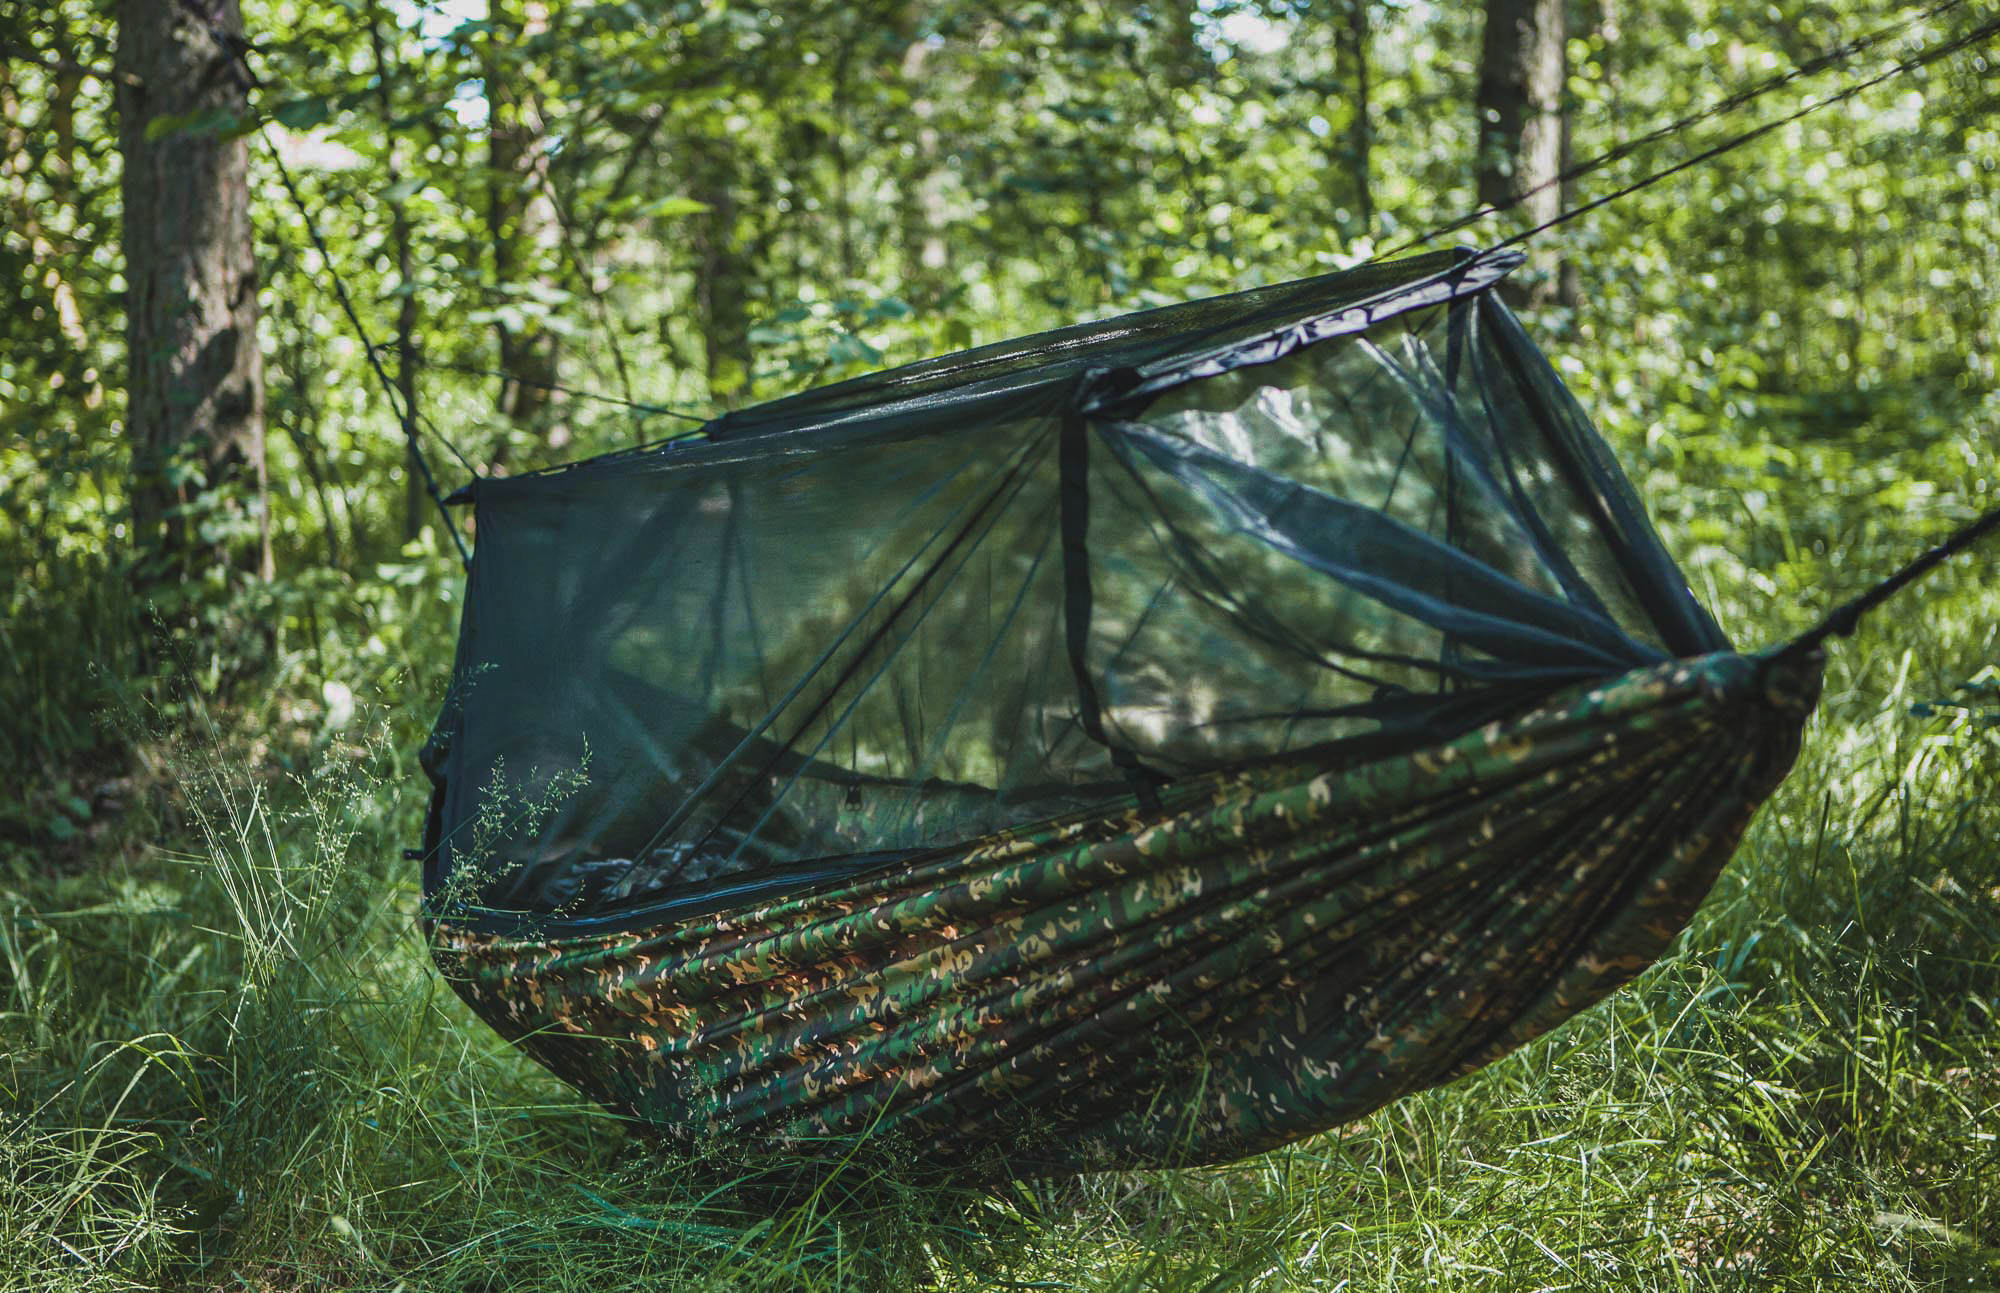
233 1066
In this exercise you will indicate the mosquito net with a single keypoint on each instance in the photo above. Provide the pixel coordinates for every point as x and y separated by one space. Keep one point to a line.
1353 512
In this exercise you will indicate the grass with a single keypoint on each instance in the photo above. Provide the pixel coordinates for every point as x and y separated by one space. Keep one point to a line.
231 1067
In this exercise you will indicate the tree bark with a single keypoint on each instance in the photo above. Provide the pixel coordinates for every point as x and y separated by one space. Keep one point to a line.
1519 104
722 278
921 207
1569 274
1602 32
415 500
519 218
1352 41
195 405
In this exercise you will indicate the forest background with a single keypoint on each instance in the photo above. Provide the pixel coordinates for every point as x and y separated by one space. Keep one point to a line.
227 603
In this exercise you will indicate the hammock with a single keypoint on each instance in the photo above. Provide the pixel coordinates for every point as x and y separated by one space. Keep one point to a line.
1145 743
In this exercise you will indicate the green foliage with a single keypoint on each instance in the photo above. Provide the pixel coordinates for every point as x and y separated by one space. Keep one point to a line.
232 1064
223 1060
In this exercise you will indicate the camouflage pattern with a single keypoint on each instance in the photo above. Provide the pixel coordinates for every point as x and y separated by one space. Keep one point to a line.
1268 953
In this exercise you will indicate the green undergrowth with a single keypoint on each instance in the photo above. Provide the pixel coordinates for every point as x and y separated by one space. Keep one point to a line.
229 1065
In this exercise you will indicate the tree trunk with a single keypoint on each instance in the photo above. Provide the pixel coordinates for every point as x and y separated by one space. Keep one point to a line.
722 279
1569 274
1603 34
1352 41
921 206
1609 34
195 409
1519 107
520 220
415 501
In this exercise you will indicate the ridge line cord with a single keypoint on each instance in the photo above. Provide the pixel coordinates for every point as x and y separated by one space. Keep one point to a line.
640 406
1924 59
1730 103
1843 621
1721 107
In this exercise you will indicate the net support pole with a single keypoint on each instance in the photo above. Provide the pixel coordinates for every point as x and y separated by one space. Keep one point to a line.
1073 467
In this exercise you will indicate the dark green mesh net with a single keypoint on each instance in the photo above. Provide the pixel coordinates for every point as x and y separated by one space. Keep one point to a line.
1353 513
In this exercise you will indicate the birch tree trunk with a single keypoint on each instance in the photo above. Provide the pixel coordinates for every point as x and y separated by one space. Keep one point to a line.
1519 103
195 409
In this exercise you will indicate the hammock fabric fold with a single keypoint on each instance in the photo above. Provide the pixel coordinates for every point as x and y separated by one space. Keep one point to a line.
1148 742
1266 954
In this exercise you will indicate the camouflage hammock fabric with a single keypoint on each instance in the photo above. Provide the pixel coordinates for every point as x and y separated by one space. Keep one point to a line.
1266 953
